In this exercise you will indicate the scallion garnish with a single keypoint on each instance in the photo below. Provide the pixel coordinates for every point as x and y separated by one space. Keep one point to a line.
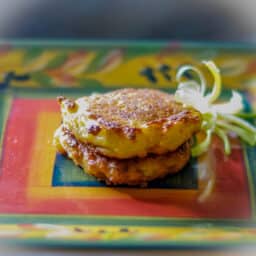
218 118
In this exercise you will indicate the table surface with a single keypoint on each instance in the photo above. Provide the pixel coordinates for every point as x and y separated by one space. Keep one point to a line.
60 252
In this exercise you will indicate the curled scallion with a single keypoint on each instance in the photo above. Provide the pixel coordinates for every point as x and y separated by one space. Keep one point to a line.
218 118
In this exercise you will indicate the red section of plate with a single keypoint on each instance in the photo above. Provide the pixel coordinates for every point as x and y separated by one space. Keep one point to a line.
230 198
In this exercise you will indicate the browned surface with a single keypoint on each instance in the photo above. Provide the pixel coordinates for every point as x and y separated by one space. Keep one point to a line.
71 104
134 171
123 108
130 123
120 107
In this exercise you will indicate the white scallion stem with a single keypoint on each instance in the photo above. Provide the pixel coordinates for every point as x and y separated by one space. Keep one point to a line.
217 86
203 146
244 134
239 121
246 115
185 68
225 140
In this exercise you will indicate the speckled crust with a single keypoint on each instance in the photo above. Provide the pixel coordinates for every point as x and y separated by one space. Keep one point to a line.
134 171
130 122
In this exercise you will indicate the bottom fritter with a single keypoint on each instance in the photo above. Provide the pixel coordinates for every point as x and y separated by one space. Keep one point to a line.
134 171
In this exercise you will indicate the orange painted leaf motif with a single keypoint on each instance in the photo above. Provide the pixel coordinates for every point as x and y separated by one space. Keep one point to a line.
112 60
74 59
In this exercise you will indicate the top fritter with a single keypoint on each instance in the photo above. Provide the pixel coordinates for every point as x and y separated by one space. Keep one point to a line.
130 122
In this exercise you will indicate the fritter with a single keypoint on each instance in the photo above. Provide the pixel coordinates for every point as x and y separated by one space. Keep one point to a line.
134 171
130 123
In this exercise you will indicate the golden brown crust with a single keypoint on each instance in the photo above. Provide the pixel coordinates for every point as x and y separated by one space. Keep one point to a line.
124 110
134 171
70 104
130 123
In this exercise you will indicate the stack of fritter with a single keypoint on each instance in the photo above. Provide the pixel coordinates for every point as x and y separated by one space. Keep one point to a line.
128 136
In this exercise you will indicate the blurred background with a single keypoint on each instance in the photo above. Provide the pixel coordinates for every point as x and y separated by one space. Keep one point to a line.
218 20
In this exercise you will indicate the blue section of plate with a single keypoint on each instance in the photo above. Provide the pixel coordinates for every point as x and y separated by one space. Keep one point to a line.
67 174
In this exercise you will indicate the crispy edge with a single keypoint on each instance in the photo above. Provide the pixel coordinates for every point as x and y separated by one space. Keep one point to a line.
132 171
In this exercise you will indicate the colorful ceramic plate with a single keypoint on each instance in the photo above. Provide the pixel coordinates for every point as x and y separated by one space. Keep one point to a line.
46 200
